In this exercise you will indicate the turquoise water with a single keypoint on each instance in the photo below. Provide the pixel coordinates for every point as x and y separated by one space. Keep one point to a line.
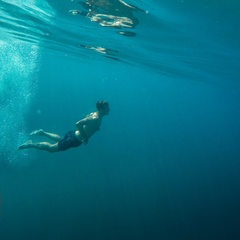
165 164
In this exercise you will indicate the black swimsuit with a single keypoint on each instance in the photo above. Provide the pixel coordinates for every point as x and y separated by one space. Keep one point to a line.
70 140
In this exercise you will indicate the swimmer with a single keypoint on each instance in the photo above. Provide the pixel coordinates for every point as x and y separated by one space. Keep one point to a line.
85 129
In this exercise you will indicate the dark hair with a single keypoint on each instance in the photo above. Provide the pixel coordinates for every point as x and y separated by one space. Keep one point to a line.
101 104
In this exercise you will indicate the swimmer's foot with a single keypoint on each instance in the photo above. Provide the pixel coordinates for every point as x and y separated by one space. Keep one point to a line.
37 132
25 145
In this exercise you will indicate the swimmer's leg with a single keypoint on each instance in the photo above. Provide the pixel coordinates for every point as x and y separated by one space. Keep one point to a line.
45 146
40 132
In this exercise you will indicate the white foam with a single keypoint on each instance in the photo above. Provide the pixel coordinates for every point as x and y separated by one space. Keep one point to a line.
19 66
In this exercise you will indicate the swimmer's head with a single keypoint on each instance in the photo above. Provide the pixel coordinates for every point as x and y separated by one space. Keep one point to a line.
103 106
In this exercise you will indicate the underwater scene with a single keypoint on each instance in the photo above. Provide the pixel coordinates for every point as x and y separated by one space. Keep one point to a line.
136 104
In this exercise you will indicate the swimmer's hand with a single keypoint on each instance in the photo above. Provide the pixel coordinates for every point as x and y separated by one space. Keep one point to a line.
85 141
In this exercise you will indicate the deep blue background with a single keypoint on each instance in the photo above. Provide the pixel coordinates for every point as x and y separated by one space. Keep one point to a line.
165 164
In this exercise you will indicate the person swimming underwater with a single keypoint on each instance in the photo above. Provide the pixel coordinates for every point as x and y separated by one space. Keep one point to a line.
85 128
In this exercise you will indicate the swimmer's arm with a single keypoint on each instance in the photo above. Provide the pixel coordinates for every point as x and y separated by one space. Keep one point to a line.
80 125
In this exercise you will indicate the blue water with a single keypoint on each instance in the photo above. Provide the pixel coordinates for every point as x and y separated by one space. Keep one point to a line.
165 164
